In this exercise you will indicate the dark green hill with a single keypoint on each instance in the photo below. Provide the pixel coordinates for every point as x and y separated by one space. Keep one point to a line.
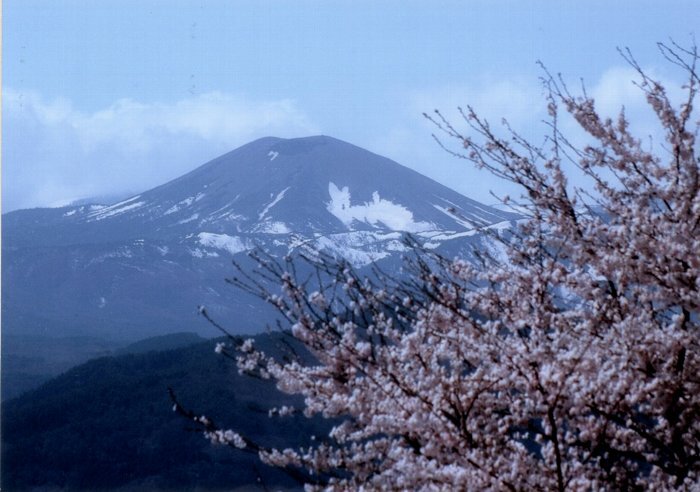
109 424
161 343
30 360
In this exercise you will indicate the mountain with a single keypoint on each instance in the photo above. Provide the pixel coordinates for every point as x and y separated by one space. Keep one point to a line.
160 343
140 267
271 186
108 425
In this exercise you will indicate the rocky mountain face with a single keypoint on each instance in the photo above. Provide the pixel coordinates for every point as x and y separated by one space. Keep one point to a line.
141 267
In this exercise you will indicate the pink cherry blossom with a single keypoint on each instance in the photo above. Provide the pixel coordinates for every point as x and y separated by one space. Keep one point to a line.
573 365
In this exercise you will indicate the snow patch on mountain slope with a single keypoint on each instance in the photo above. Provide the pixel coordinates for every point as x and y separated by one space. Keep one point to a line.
272 227
184 203
199 253
452 214
394 216
360 248
274 202
84 209
116 209
498 227
501 226
189 219
228 216
475 216
356 256
232 244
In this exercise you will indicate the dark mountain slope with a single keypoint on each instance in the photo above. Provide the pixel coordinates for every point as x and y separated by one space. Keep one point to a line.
108 424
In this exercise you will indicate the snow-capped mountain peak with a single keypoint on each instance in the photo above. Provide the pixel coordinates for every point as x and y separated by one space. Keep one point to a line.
170 245
305 185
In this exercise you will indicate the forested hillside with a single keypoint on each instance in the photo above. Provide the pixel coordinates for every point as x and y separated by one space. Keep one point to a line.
109 423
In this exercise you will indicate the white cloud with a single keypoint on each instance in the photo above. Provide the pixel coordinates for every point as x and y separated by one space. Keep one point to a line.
523 104
54 153
411 143
616 89
519 101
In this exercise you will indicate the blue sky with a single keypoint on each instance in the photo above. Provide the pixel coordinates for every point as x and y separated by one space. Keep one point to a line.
115 96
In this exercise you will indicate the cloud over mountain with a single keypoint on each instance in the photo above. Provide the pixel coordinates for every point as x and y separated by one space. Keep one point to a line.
55 152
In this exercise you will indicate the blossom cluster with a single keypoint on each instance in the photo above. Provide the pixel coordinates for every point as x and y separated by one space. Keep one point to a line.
228 437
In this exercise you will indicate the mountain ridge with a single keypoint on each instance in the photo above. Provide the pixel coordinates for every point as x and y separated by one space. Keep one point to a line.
236 193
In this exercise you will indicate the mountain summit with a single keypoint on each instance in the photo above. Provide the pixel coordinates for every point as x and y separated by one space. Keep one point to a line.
313 185
310 185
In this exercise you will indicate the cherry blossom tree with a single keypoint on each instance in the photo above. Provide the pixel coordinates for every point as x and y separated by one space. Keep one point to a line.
569 362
